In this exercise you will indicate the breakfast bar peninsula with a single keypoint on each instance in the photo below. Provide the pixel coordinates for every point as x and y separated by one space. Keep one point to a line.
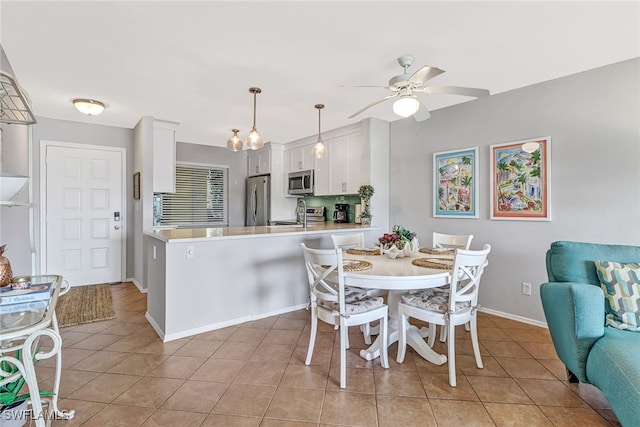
201 279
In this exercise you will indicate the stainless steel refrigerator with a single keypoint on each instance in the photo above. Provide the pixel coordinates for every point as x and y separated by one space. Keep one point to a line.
258 200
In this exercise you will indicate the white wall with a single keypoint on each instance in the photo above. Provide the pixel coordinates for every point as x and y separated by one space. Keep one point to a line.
593 119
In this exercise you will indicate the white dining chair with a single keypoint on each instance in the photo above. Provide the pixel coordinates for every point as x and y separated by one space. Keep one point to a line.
336 307
350 241
456 307
452 241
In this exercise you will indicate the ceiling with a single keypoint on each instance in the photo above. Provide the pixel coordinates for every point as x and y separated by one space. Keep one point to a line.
193 62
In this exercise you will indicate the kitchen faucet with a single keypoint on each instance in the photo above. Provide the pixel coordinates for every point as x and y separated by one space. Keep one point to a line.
304 212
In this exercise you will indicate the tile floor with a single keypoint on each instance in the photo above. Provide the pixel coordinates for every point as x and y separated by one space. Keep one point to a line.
118 373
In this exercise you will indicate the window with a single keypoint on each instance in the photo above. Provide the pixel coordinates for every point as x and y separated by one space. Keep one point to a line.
201 198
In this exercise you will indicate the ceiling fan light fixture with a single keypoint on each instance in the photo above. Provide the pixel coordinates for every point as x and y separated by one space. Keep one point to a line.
90 107
234 143
406 106
319 149
254 140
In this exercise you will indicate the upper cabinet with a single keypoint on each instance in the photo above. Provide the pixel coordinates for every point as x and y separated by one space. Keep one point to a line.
259 161
299 159
347 165
164 156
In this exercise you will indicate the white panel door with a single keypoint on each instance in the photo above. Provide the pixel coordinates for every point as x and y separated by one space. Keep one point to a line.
84 214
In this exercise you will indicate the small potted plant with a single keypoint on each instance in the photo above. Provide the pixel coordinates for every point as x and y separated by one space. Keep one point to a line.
366 192
13 404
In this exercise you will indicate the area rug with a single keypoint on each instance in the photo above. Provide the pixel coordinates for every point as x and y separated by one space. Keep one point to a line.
85 304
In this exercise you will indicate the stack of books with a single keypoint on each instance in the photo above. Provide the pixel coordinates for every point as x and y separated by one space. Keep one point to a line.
35 297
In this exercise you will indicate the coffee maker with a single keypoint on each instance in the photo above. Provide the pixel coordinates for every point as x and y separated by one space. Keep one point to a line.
341 213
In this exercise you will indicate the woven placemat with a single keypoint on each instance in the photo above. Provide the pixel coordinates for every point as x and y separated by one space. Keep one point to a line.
437 251
440 264
353 265
355 251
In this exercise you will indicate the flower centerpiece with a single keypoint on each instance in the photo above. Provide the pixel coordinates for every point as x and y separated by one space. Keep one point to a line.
366 192
400 242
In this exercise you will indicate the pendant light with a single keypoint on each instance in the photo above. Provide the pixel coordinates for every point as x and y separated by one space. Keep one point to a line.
254 140
234 143
319 149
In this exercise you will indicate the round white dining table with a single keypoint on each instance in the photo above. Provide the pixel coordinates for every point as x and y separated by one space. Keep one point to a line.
398 276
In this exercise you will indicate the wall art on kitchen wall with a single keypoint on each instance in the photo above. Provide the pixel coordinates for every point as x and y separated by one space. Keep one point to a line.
521 180
455 178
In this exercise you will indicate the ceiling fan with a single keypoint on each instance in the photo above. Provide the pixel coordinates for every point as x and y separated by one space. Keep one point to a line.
405 86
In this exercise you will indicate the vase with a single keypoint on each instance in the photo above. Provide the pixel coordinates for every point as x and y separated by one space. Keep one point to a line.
15 416
366 222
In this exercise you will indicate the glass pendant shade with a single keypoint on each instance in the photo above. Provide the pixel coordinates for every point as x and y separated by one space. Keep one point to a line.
90 107
406 106
254 140
234 143
319 149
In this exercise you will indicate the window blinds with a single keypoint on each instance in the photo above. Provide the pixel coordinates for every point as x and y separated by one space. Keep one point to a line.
201 197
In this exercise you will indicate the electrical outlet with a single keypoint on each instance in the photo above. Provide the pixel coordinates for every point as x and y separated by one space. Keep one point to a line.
526 288
191 252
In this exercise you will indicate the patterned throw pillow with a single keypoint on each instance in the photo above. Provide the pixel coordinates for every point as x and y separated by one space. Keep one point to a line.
621 286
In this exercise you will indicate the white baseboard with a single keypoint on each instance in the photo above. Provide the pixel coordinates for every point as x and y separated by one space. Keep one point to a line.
514 317
219 325
138 285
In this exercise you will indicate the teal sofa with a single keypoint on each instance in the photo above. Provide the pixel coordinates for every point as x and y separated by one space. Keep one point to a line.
574 306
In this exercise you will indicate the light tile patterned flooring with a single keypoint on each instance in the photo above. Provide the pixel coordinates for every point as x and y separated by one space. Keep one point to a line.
119 373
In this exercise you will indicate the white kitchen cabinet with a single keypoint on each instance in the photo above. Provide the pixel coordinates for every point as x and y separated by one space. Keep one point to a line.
259 161
345 167
164 156
299 159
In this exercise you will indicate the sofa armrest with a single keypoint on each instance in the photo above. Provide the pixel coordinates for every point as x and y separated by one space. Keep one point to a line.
575 316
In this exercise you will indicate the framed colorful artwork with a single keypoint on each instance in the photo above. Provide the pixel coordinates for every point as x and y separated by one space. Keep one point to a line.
521 180
455 182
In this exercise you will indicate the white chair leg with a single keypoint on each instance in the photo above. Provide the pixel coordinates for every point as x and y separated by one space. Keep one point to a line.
384 352
474 341
451 355
402 335
433 331
312 335
348 345
344 336
366 332
467 327
443 333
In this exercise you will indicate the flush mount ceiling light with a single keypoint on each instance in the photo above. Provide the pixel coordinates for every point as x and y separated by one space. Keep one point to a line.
234 143
319 149
90 107
254 140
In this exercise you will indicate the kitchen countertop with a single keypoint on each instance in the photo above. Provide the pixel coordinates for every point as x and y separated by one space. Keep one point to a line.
215 233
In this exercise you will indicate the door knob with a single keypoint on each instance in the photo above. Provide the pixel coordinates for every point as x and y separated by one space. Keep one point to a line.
117 227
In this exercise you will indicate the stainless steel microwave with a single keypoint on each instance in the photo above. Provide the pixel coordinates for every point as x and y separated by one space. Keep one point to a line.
301 183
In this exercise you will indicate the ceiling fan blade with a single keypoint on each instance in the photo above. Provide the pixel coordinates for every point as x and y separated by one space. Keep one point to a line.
373 104
382 87
457 90
425 73
422 113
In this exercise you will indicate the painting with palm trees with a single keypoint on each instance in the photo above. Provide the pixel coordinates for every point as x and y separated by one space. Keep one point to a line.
456 183
520 173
